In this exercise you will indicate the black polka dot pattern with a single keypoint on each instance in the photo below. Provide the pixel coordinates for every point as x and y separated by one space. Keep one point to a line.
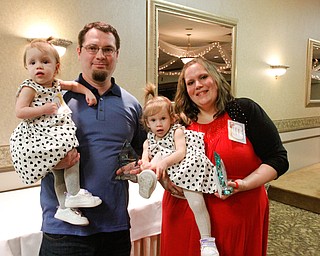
38 144
237 114
195 172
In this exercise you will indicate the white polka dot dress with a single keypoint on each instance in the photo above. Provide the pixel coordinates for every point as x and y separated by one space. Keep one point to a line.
195 172
38 144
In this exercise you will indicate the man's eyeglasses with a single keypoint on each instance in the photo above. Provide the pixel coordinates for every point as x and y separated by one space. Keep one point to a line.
94 49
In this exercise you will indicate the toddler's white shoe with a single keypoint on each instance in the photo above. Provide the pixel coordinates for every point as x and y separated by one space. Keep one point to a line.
147 181
208 247
83 199
72 216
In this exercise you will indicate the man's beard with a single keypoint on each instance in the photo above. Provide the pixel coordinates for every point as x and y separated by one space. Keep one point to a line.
99 76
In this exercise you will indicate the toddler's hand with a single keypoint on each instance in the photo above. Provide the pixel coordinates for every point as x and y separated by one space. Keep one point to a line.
91 99
160 168
145 165
50 108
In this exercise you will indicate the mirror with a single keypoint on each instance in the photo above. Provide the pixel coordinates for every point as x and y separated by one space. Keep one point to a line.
313 74
175 32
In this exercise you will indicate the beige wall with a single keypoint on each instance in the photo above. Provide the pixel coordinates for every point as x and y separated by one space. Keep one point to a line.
266 29
65 19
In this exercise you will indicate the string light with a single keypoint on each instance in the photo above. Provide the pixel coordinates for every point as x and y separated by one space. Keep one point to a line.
177 52
169 73
167 64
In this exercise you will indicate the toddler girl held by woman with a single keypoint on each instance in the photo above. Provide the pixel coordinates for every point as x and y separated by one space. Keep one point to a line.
180 154
47 133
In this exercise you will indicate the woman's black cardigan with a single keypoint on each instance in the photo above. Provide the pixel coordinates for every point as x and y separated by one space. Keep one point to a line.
261 132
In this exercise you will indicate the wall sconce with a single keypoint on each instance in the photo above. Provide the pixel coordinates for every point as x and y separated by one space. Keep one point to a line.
278 70
59 44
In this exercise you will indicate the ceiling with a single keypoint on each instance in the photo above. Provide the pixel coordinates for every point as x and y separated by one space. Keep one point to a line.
173 29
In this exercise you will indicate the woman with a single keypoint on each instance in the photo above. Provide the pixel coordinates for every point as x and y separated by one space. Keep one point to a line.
249 144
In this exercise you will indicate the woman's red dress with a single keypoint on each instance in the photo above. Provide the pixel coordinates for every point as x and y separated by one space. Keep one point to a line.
239 223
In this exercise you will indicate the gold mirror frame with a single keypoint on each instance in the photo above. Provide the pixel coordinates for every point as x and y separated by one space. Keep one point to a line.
313 84
156 6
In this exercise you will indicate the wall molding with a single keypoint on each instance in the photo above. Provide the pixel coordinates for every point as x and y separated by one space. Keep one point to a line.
5 159
285 125
295 124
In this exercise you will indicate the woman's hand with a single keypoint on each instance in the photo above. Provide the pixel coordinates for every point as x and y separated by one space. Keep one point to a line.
69 160
262 175
168 185
237 186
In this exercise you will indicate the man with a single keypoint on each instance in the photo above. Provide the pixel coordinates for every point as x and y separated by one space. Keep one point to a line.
101 130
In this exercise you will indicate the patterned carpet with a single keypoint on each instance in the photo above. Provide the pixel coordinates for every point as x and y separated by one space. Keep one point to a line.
293 231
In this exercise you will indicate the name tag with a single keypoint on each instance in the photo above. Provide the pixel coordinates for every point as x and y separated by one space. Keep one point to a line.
236 131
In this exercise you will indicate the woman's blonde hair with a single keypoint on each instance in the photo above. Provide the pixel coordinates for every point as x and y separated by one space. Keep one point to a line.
186 109
43 45
154 104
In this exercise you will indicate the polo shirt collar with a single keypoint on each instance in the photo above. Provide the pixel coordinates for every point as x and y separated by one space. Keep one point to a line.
115 89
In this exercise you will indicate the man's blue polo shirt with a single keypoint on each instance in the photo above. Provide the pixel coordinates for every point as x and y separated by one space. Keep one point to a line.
101 131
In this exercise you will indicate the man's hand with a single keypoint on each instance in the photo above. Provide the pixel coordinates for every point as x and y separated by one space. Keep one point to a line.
69 160
130 168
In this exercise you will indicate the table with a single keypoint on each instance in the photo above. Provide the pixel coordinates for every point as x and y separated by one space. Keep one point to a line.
21 216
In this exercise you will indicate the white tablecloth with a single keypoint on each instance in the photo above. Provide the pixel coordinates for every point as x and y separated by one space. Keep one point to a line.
20 219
